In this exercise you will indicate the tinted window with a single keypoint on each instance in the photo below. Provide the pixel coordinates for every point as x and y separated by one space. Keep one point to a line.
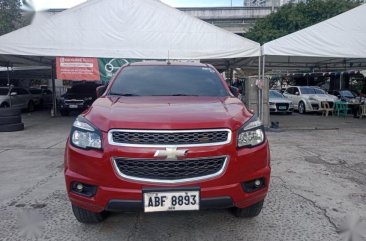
20 91
275 94
4 91
35 91
168 81
290 91
307 91
83 88
347 93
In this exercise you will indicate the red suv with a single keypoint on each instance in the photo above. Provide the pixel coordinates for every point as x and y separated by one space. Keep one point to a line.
166 137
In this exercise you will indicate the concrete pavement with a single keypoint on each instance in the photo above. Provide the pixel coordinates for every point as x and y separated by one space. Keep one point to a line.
318 178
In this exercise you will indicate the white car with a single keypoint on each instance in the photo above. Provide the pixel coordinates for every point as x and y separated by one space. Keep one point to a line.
308 98
16 98
279 103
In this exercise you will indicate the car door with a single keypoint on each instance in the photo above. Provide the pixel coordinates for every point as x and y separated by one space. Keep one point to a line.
296 97
16 100
289 93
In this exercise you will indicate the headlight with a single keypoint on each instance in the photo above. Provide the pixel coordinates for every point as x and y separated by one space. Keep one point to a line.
251 134
84 135
271 103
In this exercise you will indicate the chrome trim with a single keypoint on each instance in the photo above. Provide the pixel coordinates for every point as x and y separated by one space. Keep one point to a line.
171 181
111 142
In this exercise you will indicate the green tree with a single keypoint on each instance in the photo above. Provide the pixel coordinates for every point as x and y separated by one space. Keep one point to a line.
293 17
10 16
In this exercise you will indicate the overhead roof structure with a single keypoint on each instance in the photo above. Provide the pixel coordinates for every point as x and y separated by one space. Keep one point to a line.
338 42
137 29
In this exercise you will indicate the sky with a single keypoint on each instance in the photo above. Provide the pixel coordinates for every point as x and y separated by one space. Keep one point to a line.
46 4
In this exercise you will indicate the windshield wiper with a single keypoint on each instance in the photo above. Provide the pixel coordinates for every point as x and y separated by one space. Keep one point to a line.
182 95
122 94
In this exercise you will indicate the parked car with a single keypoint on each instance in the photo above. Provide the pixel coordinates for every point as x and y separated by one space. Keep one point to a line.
346 95
279 103
309 99
42 97
78 98
16 97
166 137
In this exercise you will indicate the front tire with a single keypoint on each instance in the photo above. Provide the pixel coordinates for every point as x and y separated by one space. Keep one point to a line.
302 108
249 212
85 216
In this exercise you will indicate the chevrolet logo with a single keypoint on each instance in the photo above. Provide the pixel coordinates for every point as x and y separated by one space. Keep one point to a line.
171 153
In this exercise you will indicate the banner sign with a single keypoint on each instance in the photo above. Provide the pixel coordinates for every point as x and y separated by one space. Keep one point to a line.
96 69
108 67
77 68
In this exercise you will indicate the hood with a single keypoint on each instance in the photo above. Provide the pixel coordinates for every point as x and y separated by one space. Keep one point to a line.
321 97
169 113
280 100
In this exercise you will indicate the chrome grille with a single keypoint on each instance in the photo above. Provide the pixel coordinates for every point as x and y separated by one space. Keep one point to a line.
169 138
74 102
170 170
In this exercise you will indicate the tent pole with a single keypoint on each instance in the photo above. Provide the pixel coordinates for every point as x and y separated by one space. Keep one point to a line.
264 91
340 80
54 100
8 76
258 89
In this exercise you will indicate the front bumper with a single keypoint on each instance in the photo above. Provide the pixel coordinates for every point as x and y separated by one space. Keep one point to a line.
275 108
316 106
115 193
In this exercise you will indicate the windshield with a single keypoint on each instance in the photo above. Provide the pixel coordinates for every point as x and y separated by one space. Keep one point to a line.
275 94
308 90
4 91
347 94
168 81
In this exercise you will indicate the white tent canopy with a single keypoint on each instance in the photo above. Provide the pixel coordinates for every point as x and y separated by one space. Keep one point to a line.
331 43
139 29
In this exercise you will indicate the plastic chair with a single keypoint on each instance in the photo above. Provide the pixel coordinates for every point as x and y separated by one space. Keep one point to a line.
327 109
341 108
362 110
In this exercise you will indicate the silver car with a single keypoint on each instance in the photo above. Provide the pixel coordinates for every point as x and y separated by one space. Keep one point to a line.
16 98
308 98
279 103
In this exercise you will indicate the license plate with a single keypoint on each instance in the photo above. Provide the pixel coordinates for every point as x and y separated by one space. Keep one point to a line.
73 106
171 201
282 107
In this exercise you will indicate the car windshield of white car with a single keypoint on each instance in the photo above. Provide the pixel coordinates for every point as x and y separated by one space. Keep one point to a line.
4 91
275 94
311 91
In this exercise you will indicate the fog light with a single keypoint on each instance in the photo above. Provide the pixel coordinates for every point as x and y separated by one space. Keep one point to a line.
257 183
253 185
79 187
83 189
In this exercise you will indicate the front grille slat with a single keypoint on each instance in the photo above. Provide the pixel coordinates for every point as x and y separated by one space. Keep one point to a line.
169 138
169 169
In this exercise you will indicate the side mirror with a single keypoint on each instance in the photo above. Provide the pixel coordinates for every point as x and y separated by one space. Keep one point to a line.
13 93
100 90
235 91
297 93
